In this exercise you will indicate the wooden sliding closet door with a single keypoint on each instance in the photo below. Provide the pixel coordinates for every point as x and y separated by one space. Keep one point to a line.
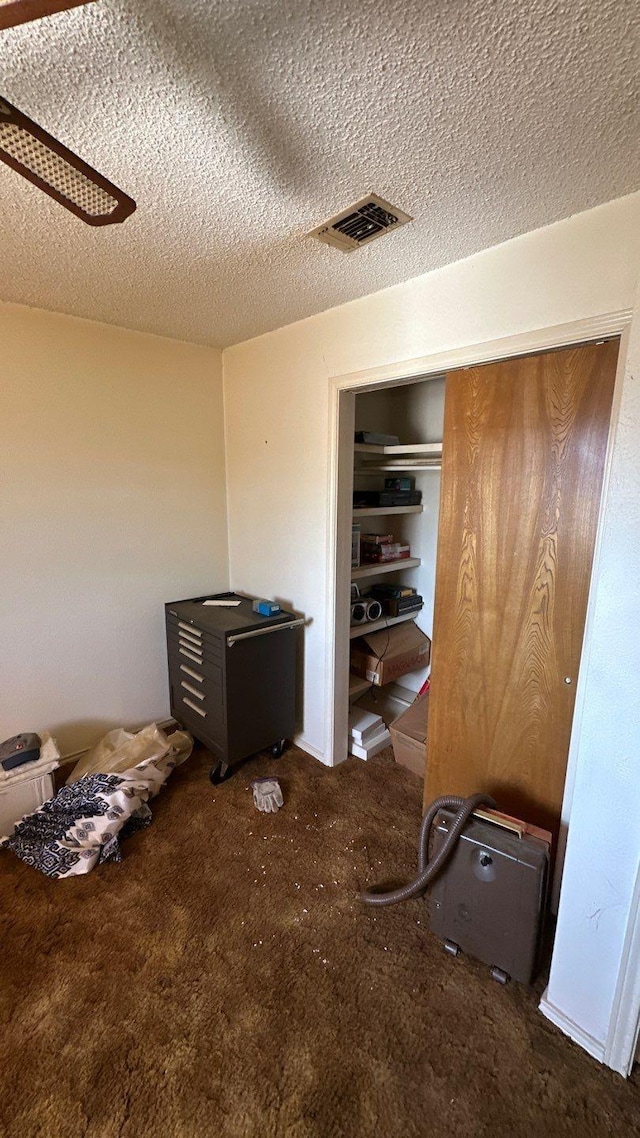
523 461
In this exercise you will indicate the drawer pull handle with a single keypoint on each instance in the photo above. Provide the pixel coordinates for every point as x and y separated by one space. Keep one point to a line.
195 644
231 640
190 687
191 639
189 629
186 636
183 652
190 645
194 706
190 672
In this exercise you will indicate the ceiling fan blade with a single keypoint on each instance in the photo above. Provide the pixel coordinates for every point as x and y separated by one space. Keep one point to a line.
21 11
40 158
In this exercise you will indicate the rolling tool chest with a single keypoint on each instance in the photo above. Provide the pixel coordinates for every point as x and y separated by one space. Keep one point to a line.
232 676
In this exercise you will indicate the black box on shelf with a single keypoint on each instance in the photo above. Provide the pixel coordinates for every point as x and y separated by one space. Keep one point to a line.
397 607
383 591
400 497
373 499
365 499
400 482
376 438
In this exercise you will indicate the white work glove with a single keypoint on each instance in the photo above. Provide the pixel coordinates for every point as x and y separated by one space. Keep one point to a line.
267 795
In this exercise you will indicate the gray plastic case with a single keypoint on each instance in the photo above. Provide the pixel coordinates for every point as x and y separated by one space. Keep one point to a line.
490 898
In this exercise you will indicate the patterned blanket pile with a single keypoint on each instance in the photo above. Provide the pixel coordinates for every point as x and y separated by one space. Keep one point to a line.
82 824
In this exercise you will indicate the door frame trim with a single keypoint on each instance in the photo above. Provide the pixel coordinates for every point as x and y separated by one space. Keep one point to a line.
624 1026
411 371
618 1050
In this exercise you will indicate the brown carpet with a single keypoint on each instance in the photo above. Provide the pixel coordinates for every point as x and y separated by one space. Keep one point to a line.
223 980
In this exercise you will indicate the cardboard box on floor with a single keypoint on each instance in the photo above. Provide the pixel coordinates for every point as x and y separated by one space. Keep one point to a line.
409 736
384 656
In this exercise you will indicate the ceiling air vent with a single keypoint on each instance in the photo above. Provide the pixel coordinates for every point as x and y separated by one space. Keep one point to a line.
360 223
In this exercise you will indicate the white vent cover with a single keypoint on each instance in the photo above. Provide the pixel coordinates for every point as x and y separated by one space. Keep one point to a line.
360 223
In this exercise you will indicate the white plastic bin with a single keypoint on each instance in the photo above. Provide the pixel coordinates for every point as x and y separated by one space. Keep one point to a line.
25 788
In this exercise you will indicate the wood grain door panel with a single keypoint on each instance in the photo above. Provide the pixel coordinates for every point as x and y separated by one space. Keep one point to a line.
523 460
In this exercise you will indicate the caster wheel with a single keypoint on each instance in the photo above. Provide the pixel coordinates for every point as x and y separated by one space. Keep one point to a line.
277 749
220 773
452 948
499 975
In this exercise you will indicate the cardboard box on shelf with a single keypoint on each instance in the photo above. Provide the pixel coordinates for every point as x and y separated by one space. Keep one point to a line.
409 736
376 538
390 551
386 655
390 702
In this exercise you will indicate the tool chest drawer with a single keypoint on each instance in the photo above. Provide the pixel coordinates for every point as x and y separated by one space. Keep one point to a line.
201 655
204 647
232 674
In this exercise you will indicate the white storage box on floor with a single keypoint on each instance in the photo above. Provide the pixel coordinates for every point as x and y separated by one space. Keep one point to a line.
25 788
367 733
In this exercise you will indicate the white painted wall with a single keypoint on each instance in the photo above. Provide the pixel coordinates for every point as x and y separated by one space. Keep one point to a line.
276 412
603 846
112 501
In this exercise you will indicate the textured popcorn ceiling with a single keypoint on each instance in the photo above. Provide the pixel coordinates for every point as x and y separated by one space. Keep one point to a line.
238 126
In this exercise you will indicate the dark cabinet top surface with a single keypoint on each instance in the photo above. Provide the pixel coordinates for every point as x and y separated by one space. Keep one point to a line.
224 621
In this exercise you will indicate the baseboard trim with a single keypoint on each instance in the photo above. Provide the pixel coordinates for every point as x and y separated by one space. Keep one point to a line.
304 745
593 1046
73 756
164 724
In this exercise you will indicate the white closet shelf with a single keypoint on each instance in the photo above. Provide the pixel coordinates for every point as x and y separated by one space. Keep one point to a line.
434 449
381 511
376 625
357 686
373 468
384 567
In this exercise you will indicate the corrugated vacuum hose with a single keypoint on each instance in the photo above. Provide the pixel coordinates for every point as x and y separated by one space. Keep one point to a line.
427 870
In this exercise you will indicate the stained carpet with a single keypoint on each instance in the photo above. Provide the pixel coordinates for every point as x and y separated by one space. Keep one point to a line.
223 980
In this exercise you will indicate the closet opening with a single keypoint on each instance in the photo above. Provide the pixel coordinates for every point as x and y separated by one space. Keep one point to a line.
488 555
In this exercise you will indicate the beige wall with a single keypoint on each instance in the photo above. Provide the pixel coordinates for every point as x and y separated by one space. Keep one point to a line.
112 501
